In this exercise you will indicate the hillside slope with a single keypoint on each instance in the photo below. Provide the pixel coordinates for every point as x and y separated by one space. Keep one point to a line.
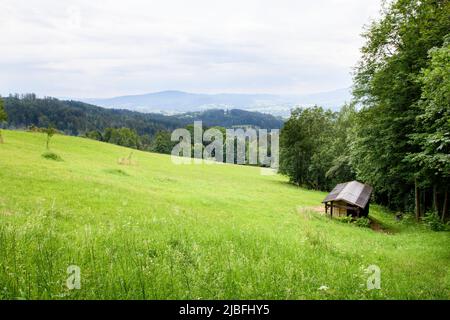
155 230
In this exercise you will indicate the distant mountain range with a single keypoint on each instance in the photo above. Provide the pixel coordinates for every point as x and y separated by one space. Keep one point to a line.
171 102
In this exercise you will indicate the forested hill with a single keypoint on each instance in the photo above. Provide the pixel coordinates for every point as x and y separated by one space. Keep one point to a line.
233 117
76 118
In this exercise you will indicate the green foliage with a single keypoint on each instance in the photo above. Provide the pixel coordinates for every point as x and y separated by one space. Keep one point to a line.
339 147
3 115
145 142
49 155
433 221
78 118
162 143
345 219
314 147
233 117
94 135
389 83
362 222
300 141
432 132
123 137
122 127
407 218
50 131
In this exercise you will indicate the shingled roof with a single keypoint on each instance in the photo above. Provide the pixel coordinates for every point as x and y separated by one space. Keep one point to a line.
353 192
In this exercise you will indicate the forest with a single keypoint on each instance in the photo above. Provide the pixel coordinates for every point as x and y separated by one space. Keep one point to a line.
395 135
144 131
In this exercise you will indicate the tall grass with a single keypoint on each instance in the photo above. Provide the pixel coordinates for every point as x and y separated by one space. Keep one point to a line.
161 231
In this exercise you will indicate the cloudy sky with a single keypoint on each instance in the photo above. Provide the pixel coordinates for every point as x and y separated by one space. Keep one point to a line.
109 48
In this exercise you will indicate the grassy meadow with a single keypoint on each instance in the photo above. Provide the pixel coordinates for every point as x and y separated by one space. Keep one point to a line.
154 230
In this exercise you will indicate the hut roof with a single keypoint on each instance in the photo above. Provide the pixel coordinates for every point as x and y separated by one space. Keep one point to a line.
353 192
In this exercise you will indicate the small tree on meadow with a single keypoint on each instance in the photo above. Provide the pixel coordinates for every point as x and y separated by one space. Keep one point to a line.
3 117
50 131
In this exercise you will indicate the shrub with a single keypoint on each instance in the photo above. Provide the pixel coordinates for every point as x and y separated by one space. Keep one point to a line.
50 131
346 219
433 221
408 218
51 156
363 222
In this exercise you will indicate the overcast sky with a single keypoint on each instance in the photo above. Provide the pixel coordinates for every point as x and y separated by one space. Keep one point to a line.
109 48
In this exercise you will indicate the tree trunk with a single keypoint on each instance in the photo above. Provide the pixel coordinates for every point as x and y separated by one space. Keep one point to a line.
445 206
435 199
417 197
423 210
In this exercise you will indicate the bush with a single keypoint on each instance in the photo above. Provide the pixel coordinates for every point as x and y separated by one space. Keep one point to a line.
433 221
363 222
408 218
346 219
51 156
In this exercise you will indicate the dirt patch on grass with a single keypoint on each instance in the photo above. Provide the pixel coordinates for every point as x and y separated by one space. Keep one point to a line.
378 227
308 209
127 161
6 213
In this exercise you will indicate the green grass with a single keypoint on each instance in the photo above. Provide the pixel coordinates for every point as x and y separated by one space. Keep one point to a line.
155 230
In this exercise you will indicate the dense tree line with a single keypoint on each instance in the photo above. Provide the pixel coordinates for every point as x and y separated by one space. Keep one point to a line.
121 136
402 133
3 117
399 140
122 127
233 117
77 118
162 144
315 147
127 137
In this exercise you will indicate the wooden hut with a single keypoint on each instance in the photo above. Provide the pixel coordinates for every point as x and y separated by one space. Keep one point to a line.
349 199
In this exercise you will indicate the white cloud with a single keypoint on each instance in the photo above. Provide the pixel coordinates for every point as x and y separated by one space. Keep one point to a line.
104 48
